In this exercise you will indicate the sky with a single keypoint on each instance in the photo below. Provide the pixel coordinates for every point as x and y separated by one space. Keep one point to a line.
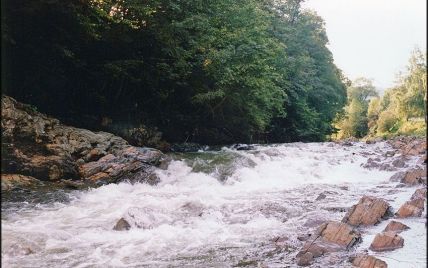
373 38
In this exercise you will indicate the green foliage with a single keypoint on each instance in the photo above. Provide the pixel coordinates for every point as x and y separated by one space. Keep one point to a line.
216 71
400 111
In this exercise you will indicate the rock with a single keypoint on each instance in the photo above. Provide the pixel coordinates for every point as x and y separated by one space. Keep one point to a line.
122 225
366 261
330 237
399 176
320 197
12 181
387 241
409 145
243 147
396 226
399 162
305 259
413 208
186 147
304 237
414 176
419 194
369 211
36 145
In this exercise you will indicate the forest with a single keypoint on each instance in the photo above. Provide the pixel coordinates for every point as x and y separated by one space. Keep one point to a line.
210 72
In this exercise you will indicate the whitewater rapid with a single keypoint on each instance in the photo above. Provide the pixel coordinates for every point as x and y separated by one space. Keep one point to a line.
210 209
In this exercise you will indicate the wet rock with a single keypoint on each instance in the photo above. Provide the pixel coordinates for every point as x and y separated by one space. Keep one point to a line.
304 237
399 162
330 237
366 261
413 208
398 176
12 181
387 241
243 147
409 145
321 196
369 211
186 147
305 259
36 145
415 176
122 225
419 194
336 209
396 226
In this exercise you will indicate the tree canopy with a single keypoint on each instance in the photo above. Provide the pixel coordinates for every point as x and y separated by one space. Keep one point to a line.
218 71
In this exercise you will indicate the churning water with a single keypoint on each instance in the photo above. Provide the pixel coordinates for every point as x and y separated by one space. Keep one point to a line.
211 209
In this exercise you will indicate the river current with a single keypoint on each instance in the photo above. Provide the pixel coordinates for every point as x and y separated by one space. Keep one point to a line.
223 208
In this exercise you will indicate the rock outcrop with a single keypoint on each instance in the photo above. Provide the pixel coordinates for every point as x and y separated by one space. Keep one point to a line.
419 194
11 181
369 211
36 145
330 237
386 241
367 261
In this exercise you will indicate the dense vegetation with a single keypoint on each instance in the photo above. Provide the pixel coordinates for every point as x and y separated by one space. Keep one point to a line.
217 71
400 111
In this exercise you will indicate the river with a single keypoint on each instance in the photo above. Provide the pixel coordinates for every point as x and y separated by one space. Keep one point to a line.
219 208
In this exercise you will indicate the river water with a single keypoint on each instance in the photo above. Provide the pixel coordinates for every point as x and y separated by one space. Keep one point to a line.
211 209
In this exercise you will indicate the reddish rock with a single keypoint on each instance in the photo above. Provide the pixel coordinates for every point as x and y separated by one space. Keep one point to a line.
419 194
415 176
387 241
366 261
34 144
329 237
369 211
413 208
396 226
11 181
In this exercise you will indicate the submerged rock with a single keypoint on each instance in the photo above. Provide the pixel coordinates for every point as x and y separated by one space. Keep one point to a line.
36 145
122 225
396 226
369 211
367 261
387 241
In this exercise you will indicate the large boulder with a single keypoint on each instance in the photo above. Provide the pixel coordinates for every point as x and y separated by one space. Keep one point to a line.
367 261
386 241
330 237
369 211
34 144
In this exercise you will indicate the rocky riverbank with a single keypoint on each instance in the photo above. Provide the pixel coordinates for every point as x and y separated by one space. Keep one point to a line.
36 147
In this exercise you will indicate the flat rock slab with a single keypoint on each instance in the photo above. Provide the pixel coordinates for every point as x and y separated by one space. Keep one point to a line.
367 261
387 241
369 211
